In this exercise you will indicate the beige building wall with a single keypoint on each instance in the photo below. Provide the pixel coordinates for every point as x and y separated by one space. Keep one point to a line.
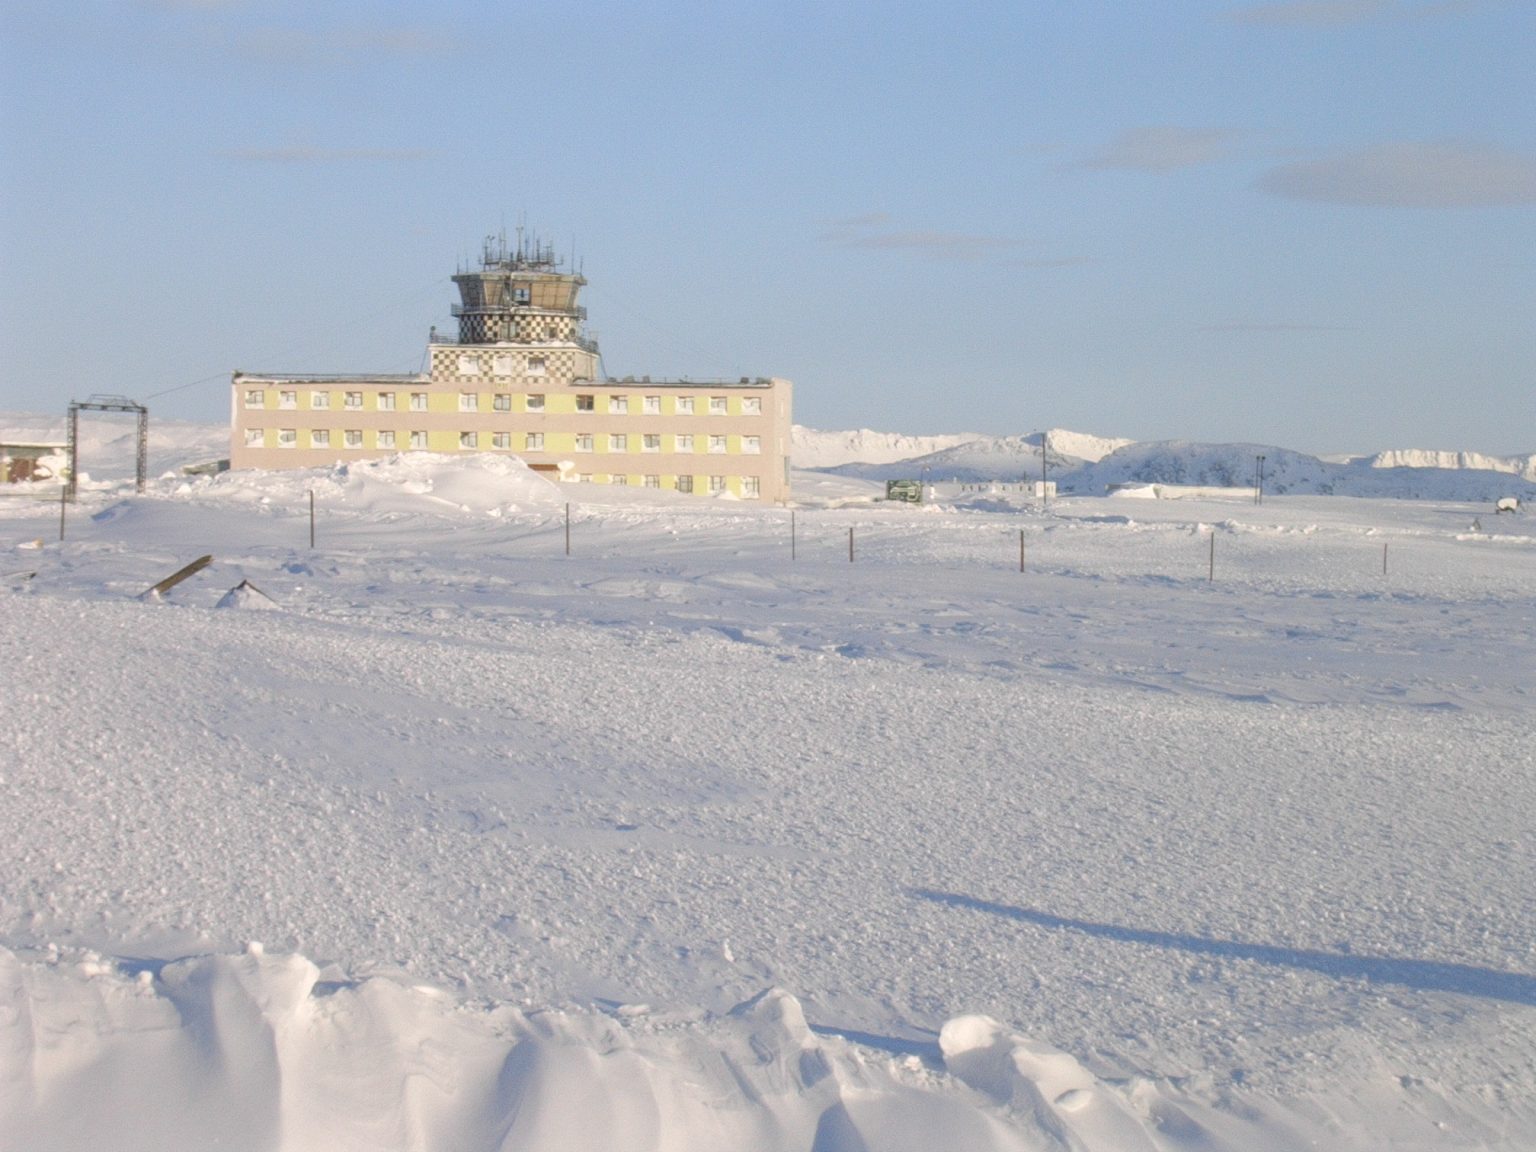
535 401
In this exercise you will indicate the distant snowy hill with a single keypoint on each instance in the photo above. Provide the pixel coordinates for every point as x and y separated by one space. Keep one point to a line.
1524 466
1091 465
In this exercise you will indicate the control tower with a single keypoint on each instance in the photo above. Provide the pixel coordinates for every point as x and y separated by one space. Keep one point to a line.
520 296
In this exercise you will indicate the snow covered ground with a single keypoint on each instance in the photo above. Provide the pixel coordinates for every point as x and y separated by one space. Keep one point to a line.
685 842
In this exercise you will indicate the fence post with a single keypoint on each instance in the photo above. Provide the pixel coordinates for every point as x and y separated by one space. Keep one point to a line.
311 518
791 533
1383 559
1212 576
1021 549
567 529
850 545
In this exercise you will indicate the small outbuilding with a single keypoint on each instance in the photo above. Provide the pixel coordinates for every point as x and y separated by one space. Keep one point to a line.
25 460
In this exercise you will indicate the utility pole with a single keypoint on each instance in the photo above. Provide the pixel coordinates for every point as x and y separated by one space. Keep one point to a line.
1258 480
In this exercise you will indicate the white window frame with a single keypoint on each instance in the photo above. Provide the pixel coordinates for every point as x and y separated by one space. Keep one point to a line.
469 402
384 438
419 439
501 440
683 483
618 442
501 402
501 364
716 485
650 442
319 437
618 405
287 438
469 364
683 442
586 402
752 487
751 405
684 405
533 442
255 397
352 438
537 366
535 402
352 401
320 401
386 402
619 479
752 445
717 445
652 480
651 406
718 406
469 441
288 399
255 437
420 402
583 442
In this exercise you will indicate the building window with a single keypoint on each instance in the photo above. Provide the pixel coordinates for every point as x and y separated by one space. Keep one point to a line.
384 439
650 442
418 439
320 438
537 366
418 401
752 445
502 402
352 438
469 439
684 443
618 405
287 399
653 481
533 441
622 481
685 483
584 403
319 400
536 402
287 438
583 441
652 406
501 364
716 444
716 485
501 439
352 400
520 294
618 442
751 405
685 406
552 332
468 402
469 364
717 405
386 401
255 398
751 487
584 477
254 437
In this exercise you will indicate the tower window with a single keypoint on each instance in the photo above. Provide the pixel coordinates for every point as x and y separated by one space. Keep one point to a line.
469 364
501 364
537 366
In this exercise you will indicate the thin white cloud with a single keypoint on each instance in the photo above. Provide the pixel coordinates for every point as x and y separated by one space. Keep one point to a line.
307 154
871 231
1162 148
1433 174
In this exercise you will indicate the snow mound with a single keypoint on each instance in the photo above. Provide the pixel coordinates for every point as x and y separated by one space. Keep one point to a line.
1522 466
247 597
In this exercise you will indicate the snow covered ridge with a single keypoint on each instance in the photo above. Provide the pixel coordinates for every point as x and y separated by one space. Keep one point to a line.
1522 466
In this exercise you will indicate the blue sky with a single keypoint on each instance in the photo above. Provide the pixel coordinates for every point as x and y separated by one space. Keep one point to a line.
1306 223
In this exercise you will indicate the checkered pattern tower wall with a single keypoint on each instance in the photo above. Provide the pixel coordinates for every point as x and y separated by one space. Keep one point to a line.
522 328
561 365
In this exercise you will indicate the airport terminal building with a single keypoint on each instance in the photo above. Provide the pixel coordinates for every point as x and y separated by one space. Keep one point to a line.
523 378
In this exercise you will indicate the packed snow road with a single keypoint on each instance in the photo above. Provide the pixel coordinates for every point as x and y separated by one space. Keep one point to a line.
1252 854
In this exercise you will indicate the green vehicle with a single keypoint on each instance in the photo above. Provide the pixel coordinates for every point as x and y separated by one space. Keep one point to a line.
907 491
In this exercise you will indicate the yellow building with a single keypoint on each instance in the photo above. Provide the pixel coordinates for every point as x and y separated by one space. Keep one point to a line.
523 378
